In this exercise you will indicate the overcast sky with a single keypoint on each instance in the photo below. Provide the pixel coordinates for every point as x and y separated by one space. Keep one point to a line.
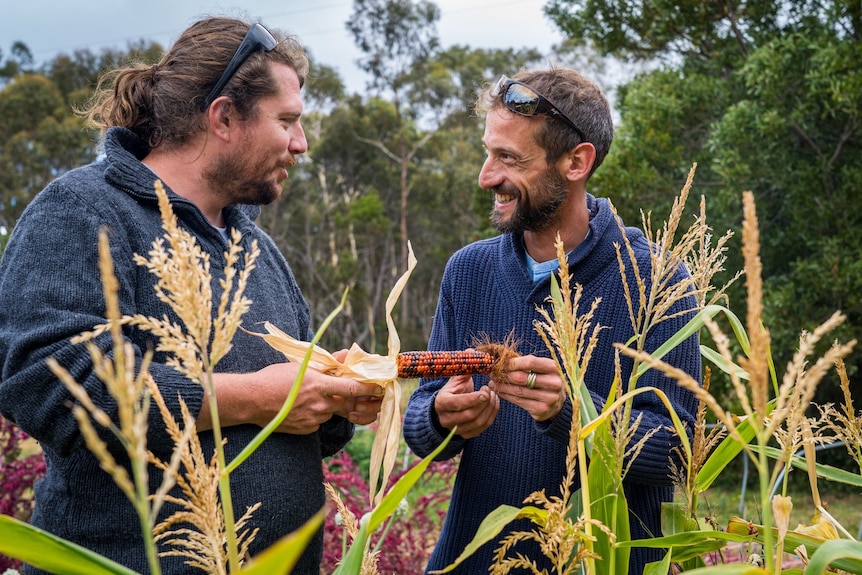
49 27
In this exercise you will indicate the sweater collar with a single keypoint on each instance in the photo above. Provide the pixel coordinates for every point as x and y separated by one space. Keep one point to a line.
586 261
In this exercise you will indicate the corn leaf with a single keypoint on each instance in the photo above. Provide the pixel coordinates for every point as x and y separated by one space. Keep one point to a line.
352 561
823 471
694 325
689 544
729 569
847 559
282 556
587 430
493 525
608 505
725 453
51 553
831 553
716 359
659 567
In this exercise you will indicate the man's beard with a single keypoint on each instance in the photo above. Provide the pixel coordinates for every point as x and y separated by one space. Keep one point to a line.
239 181
536 211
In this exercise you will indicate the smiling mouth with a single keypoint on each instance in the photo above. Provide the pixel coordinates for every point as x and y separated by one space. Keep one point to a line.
502 198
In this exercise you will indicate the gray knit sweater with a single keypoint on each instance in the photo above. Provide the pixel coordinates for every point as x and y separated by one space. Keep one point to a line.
50 291
487 292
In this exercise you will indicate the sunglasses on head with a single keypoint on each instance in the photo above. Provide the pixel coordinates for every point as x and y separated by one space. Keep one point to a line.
257 38
525 100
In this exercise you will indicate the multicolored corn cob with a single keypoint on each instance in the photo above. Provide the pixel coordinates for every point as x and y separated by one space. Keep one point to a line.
412 364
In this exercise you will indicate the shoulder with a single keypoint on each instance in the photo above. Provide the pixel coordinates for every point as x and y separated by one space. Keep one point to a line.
76 193
478 250
480 257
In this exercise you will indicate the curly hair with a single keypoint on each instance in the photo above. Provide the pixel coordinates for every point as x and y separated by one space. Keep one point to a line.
161 103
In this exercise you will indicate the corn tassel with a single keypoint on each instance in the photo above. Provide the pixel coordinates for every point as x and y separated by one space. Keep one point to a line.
412 364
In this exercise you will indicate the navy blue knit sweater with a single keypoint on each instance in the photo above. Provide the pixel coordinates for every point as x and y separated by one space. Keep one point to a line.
50 291
487 291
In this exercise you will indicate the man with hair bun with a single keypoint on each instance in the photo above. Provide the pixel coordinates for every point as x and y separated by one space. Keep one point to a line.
217 120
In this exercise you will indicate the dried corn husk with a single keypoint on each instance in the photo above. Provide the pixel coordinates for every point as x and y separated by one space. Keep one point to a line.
367 368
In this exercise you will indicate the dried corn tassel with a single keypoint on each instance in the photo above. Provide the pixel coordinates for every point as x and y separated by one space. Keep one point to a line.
412 364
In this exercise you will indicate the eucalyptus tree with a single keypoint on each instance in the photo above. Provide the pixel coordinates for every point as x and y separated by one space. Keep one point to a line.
394 37
39 139
765 96
19 61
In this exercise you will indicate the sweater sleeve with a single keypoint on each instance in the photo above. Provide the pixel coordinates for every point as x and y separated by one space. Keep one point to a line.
51 291
652 462
421 430
334 435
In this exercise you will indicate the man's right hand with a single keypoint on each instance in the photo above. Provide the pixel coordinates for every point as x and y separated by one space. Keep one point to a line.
472 411
257 398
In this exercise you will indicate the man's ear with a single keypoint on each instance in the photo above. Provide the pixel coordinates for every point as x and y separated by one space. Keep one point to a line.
579 161
220 117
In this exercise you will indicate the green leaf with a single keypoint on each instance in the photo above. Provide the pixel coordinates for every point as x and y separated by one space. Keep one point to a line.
51 553
726 452
352 561
675 518
832 551
694 325
659 567
493 525
836 555
729 569
689 544
823 471
608 504
282 556
718 360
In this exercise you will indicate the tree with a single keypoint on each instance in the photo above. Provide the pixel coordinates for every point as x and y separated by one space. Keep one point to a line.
21 61
39 139
395 36
40 136
765 96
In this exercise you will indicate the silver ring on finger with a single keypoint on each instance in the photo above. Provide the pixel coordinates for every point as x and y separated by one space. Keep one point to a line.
531 380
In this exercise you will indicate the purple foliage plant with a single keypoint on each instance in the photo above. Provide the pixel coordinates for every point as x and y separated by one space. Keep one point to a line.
407 543
18 472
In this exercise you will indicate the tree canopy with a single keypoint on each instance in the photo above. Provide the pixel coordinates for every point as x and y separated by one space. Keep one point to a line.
764 96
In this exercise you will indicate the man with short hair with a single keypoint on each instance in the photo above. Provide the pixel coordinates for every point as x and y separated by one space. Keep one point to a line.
546 132
217 120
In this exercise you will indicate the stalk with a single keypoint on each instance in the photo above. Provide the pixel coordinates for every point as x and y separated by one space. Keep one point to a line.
224 478
763 480
585 502
142 506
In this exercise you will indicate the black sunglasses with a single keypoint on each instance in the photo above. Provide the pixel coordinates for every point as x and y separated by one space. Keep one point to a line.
525 100
257 38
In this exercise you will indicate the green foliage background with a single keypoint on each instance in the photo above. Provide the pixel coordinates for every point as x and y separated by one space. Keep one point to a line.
763 95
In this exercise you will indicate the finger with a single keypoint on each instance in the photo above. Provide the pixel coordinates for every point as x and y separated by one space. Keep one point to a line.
459 384
358 418
339 387
465 401
367 406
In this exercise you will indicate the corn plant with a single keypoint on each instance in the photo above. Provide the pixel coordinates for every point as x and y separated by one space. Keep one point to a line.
218 541
595 529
